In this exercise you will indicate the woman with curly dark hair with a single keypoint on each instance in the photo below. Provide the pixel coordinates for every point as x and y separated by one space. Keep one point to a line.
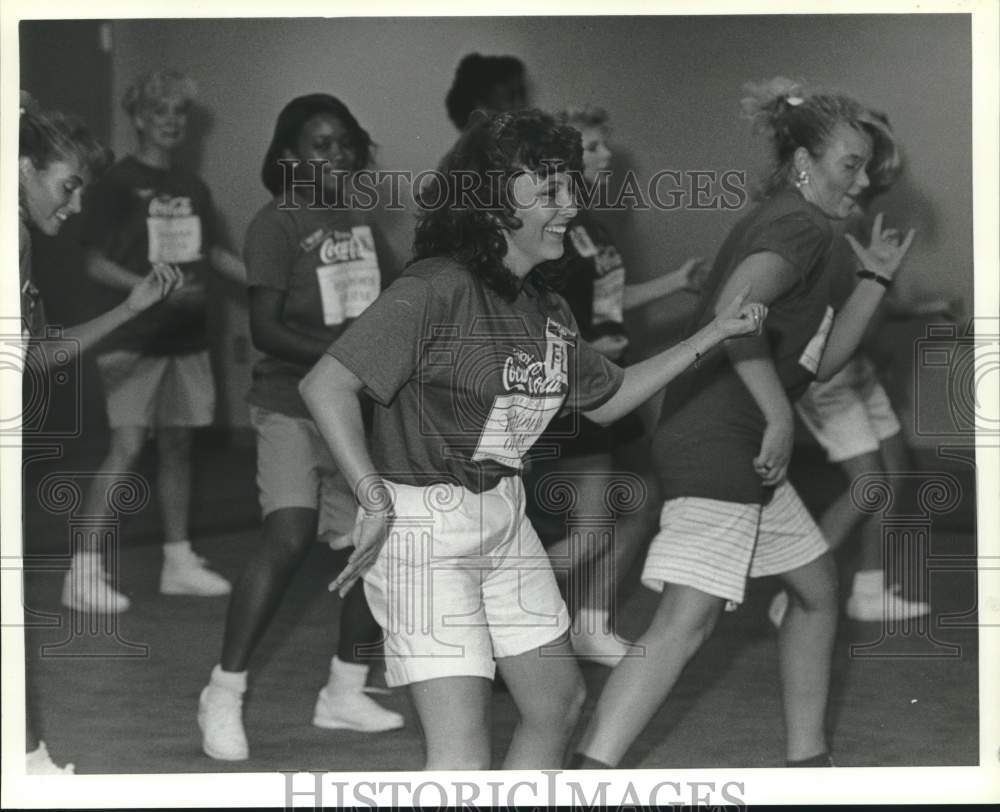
481 355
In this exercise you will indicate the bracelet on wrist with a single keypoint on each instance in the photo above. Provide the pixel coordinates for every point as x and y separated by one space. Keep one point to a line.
697 355
884 281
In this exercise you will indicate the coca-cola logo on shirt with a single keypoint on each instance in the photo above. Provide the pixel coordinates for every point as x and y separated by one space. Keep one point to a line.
342 246
524 373
166 206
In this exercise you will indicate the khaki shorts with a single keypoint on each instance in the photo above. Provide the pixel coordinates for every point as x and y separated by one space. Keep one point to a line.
462 580
157 390
850 414
295 470
716 546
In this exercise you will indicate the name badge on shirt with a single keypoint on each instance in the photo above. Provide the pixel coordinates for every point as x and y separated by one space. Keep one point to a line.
813 352
534 394
174 231
348 274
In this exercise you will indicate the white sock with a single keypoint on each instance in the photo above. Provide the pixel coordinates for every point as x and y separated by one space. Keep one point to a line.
177 552
593 621
869 582
347 677
232 681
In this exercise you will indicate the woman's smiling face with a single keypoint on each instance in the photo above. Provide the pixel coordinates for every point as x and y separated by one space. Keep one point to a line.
53 194
838 176
544 205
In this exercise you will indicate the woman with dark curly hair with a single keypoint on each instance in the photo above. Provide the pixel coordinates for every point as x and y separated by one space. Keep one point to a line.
480 357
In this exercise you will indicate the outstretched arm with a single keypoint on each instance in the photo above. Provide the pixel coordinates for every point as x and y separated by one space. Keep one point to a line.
154 287
648 377
686 277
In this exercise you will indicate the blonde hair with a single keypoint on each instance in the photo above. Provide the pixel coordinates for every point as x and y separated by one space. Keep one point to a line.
585 115
794 116
47 136
153 87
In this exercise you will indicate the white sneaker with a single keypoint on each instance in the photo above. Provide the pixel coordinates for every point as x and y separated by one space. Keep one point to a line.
188 575
778 609
86 589
353 710
603 649
220 717
885 605
38 762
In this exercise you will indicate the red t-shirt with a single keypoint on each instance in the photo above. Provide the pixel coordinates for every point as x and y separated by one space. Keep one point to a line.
466 381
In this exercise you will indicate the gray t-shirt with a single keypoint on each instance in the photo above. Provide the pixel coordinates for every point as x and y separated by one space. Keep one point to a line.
326 264
711 428
466 381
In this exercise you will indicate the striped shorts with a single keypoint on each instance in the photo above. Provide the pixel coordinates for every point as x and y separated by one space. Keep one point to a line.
714 546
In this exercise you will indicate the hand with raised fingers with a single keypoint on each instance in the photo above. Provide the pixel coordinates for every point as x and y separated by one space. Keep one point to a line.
885 251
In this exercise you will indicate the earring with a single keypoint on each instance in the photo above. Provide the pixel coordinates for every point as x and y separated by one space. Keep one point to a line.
801 179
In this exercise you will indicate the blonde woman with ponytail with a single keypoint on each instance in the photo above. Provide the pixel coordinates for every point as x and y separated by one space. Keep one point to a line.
724 439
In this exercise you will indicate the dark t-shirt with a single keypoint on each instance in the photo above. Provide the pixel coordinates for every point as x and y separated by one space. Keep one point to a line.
467 381
710 428
595 282
595 291
136 215
325 262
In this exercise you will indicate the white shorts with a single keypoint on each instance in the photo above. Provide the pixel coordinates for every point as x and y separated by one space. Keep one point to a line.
716 546
850 414
462 580
157 390
295 470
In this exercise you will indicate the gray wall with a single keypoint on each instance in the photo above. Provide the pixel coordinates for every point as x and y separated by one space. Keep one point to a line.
671 85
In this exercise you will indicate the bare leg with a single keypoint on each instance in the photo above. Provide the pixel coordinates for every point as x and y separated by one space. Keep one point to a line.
840 519
684 619
455 715
894 457
126 444
805 648
287 535
549 691
174 481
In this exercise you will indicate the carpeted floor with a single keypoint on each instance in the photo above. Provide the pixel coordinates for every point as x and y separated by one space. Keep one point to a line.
123 699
